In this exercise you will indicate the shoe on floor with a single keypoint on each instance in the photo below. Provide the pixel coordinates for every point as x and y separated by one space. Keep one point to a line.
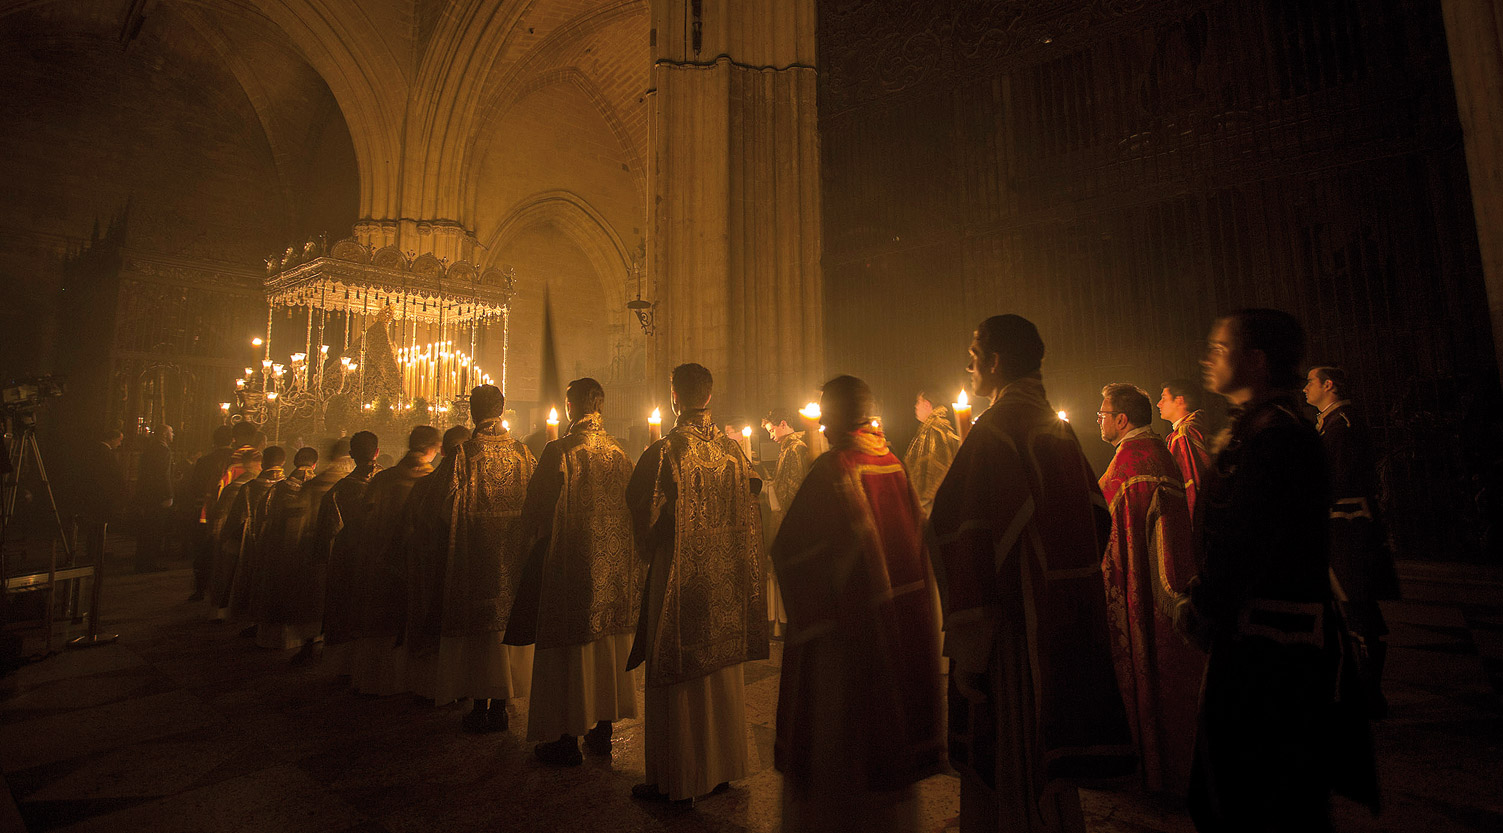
598 739
496 718
477 722
561 752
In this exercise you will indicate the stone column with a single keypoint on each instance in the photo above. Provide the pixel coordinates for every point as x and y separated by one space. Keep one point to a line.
1474 34
734 235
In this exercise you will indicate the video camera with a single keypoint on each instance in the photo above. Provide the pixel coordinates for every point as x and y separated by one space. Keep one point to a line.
23 395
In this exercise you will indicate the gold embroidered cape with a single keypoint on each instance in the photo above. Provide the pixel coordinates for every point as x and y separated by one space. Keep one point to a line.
379 579
256 500
576 512
486 550
693 503
930 454
793 467
342 522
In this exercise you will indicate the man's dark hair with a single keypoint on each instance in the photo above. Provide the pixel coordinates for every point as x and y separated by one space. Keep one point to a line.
936 395
1278 336
305 456
1335 375
273 456
778 416
1183 388
1131 401
585 396
846 404
454 438
339 448
423 438
693 384
486 402
1015 341
364 446
222 435
244 433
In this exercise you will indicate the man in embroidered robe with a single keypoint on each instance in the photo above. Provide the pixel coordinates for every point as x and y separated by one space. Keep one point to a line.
793 466
287 603
1360 557
1179 405
425 551
255 499
693 497
932 450
477 659
378 573
203 485
1021 526
860 715
590 585
227 529
1150 557
339 539
1272 740
317 536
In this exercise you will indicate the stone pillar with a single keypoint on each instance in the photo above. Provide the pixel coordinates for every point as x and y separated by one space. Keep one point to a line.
1474 34
734 235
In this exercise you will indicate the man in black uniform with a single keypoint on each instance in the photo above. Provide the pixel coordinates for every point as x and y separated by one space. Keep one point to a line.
1360 557
204 486
1261 603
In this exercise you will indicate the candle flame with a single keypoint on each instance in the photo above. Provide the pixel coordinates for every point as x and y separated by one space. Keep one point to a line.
811 410
1064 417
963 401
656 418
272 396
505 426
224 406
746 432
552 416
257 342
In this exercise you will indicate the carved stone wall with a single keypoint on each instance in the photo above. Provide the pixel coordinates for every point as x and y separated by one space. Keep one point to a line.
1120 172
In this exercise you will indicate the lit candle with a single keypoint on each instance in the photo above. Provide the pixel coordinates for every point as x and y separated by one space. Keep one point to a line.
257 342
654 426
552 424
812 437
746 442
962 406
1063 417
505 426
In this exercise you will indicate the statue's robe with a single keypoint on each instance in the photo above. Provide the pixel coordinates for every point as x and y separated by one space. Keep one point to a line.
590 584
930 454
860 715
226 527
792 468
698 526
1187 445
288 603
1277 729
1020 529
379 579
255 501
338 542
1150 558
424 548
484 569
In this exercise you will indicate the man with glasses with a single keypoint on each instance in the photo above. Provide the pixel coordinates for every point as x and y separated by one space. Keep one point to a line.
1150 557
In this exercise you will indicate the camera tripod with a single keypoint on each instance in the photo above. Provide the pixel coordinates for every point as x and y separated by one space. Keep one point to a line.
26 447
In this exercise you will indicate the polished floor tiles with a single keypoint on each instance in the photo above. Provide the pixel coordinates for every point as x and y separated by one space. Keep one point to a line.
185 727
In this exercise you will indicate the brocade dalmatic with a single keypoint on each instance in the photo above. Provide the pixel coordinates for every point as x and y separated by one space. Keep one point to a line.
693 499
930 454
590 575
486 551
793 467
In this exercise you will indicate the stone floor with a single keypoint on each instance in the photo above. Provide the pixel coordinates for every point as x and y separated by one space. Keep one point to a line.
183 726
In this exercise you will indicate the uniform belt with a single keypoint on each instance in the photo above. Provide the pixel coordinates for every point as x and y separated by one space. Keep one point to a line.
1289 623
1351 508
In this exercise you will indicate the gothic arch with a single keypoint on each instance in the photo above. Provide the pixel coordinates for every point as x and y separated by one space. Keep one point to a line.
577 219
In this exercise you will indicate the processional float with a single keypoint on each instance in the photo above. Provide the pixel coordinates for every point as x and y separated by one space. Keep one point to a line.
406 333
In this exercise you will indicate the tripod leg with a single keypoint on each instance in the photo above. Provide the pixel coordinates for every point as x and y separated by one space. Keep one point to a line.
36 453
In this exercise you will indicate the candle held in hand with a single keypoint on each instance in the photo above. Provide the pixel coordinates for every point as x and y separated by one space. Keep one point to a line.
552 424
655 426
962 406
